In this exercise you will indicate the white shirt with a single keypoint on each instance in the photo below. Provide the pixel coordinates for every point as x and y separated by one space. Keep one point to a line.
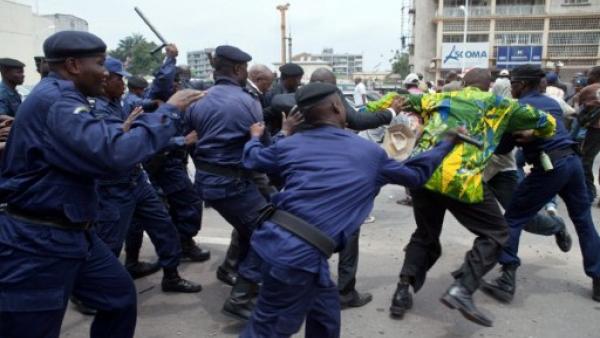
359 91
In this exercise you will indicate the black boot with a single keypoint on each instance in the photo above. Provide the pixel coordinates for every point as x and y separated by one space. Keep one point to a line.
354 299
227 271
401 301
172 282
139 269
596 286
459 298
502 288
191 251
563 238
82 308
239 305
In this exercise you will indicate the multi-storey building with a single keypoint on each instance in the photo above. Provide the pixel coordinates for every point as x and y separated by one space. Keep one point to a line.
343 65
199 63
505 33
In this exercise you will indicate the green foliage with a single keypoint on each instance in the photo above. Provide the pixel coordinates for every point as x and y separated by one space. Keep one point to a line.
134 51
400 64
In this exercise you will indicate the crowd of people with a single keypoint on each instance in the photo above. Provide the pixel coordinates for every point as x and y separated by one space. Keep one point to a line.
87 167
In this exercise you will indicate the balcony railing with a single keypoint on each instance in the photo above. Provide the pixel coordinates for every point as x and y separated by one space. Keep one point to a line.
521 10
473 11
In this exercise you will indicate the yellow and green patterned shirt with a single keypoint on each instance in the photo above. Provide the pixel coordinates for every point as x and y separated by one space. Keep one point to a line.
486 117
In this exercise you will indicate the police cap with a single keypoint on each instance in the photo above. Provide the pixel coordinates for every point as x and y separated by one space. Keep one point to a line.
313 93
137 82
11 63
527 72
62 45
232 54
115 66
291 70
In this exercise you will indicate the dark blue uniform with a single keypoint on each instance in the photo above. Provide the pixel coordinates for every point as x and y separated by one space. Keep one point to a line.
129 196
56 151
222 120
10 100
539 187
169 173
131 101
331 179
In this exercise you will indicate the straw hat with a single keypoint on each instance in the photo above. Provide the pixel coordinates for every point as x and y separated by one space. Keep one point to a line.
399 141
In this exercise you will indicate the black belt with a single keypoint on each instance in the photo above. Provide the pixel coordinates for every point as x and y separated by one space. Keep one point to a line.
52 221
554 155
224 170
304 230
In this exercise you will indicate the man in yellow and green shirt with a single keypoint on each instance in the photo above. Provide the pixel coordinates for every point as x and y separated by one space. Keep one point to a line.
457 186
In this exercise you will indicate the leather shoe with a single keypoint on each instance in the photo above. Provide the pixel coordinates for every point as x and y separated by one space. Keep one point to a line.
563 238
355 299
141 269
226 276
401 301
178 284
502 288
82 308
596 286
191 251
457 297
241 311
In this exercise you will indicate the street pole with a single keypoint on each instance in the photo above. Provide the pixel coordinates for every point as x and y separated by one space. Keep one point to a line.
289 47
282 9
466 10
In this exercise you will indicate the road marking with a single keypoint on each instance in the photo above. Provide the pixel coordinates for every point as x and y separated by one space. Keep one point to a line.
213 240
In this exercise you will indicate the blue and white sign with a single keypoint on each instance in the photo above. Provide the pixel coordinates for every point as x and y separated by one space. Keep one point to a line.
511 56
475 54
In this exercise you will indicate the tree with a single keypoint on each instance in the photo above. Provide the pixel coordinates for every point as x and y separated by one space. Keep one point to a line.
134 51
400 64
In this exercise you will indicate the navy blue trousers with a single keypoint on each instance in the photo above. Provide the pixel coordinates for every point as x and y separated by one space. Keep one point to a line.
121 203
538 188
287 297
35 288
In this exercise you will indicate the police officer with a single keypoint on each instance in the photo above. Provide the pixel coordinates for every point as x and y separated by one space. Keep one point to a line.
168 173
221 121
12 76
289 81
557 169
322 163
41 66
129 195
136 85
53 157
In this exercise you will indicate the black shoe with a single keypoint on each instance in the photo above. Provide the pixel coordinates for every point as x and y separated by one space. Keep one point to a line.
502 288
241 311
596 288
226 276
190 250
82 308
563 239
401 301
457 297
178 284
355 299
141 269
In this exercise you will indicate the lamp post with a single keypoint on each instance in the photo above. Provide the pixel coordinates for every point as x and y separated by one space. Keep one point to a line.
282 9
465 10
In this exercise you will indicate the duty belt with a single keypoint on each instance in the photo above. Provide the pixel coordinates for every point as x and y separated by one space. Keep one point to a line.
303 229
52 221
224 170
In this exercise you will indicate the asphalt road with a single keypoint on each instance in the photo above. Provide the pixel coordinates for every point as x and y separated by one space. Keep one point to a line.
553 297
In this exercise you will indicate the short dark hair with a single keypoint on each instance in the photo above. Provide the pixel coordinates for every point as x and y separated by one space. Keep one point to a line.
223 65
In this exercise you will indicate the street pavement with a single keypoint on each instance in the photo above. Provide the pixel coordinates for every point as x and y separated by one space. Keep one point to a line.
553 294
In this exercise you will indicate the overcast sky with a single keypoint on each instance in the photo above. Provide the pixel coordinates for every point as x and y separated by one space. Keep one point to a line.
349 26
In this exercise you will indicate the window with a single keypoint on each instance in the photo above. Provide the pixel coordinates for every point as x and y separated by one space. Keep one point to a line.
470 38
508 39
576 2
474 26
571 24
519 25
575 38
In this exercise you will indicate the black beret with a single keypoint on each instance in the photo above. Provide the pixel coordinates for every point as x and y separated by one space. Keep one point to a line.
291 70
311 94
66 44
137 82
527 72
283 102
11 63
232 53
